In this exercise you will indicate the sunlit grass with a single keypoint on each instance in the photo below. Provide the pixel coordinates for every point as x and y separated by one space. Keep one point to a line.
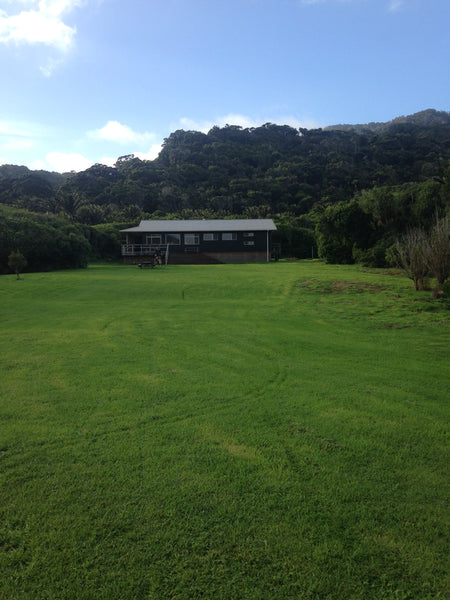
253 431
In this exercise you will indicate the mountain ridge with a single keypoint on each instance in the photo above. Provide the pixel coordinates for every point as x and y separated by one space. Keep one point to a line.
424 118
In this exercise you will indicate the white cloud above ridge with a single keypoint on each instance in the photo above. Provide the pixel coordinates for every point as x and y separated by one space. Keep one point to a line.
16 137
153 153
229 119
246 122
64 162
115 132
23 138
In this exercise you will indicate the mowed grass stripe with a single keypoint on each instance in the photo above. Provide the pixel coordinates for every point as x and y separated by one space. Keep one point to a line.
238 431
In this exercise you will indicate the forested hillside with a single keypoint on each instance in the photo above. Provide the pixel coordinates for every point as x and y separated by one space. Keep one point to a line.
349 189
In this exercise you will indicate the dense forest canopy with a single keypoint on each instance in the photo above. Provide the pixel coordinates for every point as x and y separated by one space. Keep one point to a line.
347 189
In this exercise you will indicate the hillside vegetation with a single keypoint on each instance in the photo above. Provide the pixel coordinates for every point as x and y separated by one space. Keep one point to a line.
224 432
371 182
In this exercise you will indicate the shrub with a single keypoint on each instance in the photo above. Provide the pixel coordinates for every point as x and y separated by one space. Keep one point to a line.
46 242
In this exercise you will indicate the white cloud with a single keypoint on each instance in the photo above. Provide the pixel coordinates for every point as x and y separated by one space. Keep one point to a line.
41 24
237 119
151 154
58 7
229 119
109 161
63 163
192 125
37 165
35 28
114 131
246 122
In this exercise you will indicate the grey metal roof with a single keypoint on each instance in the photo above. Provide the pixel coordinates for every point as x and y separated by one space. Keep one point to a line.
198 225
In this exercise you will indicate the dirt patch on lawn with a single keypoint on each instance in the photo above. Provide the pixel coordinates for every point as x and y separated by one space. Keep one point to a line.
336 287
343 286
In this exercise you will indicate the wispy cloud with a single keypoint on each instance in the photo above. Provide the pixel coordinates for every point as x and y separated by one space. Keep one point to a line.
396 5
8 128
18 144
312 2
15 136
39 22
392 5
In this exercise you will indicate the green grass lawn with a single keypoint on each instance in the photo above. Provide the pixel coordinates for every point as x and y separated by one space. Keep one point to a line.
223 432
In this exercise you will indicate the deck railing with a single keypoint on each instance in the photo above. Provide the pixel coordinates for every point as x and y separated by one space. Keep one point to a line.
142 249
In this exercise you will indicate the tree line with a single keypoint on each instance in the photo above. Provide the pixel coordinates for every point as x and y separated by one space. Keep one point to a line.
346 193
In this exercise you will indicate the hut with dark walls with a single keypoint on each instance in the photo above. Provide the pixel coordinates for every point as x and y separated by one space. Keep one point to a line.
200 241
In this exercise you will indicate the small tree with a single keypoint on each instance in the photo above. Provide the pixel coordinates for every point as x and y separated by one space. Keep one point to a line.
437 251
411 250
17 262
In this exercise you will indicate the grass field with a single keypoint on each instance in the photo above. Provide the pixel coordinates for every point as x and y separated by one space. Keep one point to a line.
223 432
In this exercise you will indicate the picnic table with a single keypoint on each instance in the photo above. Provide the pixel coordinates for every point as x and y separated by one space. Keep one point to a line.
154 261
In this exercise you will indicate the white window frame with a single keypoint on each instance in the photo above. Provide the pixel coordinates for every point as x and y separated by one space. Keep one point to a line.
210 237
229 236
249 234
191 239
154 239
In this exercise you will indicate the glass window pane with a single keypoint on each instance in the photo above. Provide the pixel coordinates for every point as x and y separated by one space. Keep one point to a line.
173 238
191 238
229 236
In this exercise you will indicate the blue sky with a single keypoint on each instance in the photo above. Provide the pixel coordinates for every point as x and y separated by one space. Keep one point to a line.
87 81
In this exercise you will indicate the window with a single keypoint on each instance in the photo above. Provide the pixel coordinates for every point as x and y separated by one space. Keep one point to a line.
249 234
191 239
210 237
229 236
249 243
173 238
154 239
